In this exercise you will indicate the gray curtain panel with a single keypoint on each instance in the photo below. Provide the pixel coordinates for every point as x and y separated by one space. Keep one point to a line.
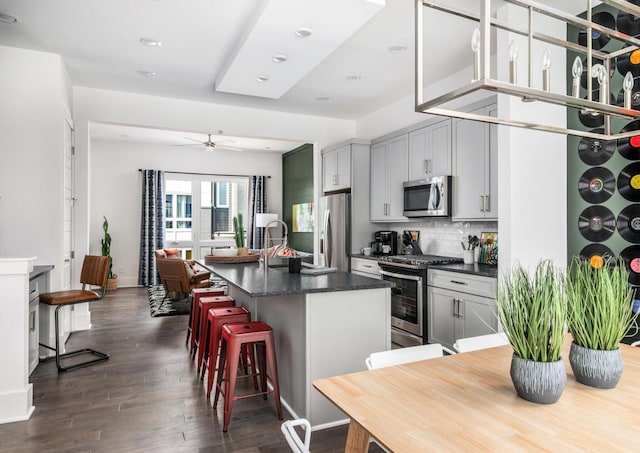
152 225
257 204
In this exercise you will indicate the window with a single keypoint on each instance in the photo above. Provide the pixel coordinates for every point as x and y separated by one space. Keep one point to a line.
196 218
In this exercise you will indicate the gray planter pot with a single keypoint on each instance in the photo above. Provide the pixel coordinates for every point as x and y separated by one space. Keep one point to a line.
596 368
538 382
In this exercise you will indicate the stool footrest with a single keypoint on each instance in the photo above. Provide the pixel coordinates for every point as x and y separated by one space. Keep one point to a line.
100 356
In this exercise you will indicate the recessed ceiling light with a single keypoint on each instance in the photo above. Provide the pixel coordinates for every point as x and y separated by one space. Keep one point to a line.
353 78
267 148
150 42
397 49
262 78
280 58
303 32
146 73
7 19
322 98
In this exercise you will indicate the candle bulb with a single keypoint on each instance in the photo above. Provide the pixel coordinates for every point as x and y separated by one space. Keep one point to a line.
513 60
546 74
475 48
627 86
576 72
601 73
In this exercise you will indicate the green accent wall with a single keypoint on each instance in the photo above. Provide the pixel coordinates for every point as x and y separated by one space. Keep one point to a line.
576 167
297 187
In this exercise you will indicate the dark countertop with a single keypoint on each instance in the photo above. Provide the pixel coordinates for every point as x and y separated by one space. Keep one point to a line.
483 270
250 279
39 270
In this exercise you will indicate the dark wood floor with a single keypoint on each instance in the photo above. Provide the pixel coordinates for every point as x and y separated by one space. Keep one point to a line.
146 397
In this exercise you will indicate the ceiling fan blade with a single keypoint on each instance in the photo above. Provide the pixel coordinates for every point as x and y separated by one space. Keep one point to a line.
188 138
222 142
189 145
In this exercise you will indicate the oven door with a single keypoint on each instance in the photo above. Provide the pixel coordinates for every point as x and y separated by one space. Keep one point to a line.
406 301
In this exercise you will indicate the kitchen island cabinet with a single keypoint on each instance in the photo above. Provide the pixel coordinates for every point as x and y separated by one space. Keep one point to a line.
460 306
323 325
388 172
475 182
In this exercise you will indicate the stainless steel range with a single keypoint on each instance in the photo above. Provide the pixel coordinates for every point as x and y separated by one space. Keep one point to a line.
408 273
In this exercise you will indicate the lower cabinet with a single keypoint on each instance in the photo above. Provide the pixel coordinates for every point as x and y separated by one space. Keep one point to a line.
365 267
459 306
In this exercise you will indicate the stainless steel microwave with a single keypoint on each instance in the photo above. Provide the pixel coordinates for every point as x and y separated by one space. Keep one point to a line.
430 197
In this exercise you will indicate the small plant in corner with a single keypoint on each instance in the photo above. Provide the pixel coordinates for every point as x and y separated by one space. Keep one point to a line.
106 251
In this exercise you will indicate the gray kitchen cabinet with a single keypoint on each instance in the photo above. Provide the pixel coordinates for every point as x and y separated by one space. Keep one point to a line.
475 181
460 306
388 172
430 151
336 168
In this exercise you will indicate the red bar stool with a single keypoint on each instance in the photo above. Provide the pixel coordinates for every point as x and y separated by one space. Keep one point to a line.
251 334
196 294
216 318
204 305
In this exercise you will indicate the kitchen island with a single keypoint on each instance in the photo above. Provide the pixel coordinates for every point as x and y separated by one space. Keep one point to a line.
324 325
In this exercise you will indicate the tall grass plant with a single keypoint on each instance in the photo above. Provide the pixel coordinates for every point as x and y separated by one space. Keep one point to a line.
532 310
600 311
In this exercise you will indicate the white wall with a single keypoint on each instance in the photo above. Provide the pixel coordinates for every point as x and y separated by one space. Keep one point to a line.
34 89
164 113
532 165
116 186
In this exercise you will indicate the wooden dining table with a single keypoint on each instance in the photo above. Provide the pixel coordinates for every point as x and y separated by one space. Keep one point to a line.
466 402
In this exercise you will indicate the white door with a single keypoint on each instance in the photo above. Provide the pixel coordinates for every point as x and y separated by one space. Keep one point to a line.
68 205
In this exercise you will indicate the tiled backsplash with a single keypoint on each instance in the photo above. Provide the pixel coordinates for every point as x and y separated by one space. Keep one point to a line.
443 236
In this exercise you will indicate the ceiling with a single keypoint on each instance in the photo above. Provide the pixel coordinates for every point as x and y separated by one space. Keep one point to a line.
213 51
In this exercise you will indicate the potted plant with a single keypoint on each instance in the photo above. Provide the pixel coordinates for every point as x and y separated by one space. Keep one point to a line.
238 235
112 280
532 311
600 314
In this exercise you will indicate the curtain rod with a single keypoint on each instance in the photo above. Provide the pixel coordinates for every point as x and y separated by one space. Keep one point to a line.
206 174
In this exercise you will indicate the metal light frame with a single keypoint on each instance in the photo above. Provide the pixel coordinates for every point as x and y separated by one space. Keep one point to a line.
485 82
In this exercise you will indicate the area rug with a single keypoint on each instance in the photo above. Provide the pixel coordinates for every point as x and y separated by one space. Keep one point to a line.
160 306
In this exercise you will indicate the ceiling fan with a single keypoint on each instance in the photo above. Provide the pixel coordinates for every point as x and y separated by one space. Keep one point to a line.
209 144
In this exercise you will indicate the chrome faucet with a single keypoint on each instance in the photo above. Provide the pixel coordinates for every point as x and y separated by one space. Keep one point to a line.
264 240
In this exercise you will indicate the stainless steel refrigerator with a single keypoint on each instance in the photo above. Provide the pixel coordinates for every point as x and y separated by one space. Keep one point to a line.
343 231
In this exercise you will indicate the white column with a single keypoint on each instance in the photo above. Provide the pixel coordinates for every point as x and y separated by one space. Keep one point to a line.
16 393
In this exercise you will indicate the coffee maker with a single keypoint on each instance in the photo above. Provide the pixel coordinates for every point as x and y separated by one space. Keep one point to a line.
385 243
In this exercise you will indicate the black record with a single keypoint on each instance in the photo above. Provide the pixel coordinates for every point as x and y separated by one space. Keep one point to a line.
597 223
597 185
597 254
590 119
629 223
629 182
594 151
628 23
629 148
598 40
629 62
631 257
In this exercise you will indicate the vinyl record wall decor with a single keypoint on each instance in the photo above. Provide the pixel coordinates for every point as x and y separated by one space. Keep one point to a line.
603 177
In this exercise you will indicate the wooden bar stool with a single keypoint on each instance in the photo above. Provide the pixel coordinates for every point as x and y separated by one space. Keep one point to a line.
216 318
196 294
204 305
251 334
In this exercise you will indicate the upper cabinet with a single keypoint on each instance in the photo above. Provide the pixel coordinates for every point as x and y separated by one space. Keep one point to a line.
388 172
430 151
475 186
336 169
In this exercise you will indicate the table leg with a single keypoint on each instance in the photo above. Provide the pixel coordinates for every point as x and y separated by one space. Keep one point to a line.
357 438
